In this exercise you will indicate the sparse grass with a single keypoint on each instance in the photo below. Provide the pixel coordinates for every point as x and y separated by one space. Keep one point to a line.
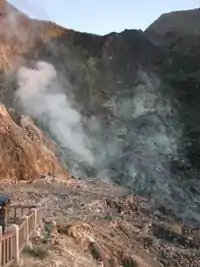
36 251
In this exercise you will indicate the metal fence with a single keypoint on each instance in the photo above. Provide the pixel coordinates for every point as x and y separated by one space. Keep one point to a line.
22 223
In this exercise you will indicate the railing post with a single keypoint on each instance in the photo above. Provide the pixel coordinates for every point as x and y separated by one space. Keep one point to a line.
40 222
26 230
39 216
15 214
3 218
1 245
16 243
35 220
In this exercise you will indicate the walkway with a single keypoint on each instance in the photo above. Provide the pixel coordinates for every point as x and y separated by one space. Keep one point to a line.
22 223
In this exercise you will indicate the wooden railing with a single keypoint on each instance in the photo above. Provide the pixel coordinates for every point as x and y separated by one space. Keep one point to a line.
22 222
7 248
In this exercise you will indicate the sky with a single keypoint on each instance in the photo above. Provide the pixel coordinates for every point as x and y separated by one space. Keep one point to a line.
102 16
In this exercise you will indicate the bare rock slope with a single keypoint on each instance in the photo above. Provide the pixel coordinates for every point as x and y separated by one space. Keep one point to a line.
26 152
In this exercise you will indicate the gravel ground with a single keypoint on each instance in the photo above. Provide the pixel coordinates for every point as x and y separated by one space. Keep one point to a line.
99 224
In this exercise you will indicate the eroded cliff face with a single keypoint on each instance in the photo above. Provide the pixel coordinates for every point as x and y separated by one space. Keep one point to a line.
136 108
26 152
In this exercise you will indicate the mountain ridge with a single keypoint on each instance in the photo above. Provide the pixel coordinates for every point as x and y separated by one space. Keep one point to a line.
175 21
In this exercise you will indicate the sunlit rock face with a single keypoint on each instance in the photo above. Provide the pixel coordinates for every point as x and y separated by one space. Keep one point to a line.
137 102
26 152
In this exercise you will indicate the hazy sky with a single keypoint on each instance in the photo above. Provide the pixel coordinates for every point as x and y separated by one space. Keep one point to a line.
102 16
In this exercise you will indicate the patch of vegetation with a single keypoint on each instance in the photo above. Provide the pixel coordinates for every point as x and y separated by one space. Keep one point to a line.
36 251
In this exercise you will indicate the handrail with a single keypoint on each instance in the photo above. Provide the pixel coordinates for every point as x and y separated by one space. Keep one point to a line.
6 249
31 223
13 241
7 235
22 235
15 205
19 211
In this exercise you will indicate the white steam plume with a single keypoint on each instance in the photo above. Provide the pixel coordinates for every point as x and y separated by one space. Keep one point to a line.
41 97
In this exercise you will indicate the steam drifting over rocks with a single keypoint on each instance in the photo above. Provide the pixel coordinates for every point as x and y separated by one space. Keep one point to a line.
135 147
40 96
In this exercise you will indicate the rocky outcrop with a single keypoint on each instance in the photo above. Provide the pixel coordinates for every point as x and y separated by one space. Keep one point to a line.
26 152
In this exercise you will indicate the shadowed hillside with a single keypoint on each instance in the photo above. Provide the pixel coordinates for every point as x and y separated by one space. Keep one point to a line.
182 22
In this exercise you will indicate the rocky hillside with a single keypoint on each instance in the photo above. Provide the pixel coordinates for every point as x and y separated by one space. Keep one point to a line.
26 152
123 106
